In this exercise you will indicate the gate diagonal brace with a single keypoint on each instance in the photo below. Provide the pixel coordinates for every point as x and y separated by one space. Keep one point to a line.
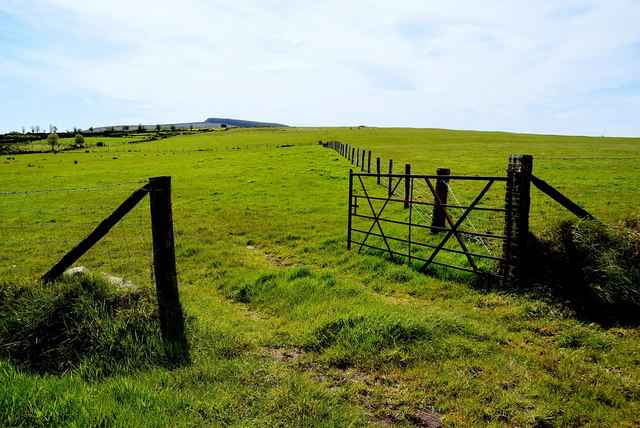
377 216
454 226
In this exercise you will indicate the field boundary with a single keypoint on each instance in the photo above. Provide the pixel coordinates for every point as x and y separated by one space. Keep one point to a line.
512 229
164 274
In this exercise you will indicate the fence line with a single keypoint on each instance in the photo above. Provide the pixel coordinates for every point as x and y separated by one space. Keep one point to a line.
111 149
72 189
607 194
162 269
29 242
468 205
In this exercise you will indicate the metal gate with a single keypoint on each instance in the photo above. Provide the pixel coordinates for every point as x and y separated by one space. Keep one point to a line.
432 221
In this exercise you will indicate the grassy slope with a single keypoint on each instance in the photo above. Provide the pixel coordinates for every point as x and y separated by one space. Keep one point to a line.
260 236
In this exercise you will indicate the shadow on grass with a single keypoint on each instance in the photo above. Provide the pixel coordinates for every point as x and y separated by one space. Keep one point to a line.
589 267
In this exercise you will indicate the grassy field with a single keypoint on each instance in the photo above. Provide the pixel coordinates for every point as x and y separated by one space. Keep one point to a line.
287 327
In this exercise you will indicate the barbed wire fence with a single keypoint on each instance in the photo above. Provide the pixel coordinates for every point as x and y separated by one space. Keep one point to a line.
39 226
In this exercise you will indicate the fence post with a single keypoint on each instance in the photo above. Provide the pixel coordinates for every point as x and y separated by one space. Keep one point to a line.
357 157
350 209
353 154
390 179
362 160
407 185
378 169
517 205
369 163
442 190
164 265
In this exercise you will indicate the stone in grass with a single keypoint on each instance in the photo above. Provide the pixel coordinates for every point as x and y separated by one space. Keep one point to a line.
112 279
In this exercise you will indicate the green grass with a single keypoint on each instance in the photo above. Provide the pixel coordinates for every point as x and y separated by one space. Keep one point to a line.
287 327
72 324
595 267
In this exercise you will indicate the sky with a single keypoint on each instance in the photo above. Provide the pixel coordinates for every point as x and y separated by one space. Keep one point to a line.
569 67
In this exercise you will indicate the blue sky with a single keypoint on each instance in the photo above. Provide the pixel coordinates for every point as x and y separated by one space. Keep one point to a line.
544 66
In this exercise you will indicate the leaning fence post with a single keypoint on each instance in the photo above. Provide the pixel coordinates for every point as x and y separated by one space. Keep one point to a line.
517 205
390 179
96 234
164 265
407 185
362 160
442 190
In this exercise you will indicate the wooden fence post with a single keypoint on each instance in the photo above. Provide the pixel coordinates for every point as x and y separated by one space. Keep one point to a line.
164 262
407 185
362 160
369 163
353 154
378 169
438 219
517 205
350 209
390 179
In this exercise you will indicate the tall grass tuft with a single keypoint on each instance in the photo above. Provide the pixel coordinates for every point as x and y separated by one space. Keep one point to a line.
80 323
593 267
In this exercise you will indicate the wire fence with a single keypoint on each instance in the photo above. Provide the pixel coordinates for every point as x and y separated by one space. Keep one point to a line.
39 226
131 148
607 187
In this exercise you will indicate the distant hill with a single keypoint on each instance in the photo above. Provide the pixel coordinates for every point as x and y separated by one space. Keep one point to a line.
241 123
212 122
